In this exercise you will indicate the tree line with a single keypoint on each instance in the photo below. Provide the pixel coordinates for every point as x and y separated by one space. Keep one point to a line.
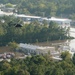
29 33
39 65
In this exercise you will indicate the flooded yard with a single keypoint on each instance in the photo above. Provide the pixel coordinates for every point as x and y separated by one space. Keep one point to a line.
5 49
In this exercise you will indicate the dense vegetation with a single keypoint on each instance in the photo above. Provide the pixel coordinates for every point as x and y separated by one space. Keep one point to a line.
29 33
38 65
61 8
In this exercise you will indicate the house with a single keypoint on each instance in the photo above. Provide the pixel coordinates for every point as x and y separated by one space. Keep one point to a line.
5 13
8 8
61 21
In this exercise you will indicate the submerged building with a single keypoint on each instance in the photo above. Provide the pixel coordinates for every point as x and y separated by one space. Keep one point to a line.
36 50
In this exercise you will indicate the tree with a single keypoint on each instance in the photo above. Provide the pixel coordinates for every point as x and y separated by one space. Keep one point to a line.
9 5
65 55
13 45
73 58
58 71
22 72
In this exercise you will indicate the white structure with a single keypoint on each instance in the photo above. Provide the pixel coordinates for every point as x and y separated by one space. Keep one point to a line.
60 21
32 49
27 18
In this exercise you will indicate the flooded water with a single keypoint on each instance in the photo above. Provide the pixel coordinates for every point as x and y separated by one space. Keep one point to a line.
72 42
65 44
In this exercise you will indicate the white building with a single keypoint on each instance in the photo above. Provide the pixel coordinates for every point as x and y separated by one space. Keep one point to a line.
60 21
33 49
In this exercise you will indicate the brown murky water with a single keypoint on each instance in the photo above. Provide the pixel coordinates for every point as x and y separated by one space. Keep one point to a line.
4 49
70 43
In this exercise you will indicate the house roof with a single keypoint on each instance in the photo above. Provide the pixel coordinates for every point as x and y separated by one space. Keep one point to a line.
22 15
58 19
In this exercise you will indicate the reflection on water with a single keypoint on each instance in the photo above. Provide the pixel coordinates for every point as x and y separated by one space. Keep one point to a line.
72 42
64 45
51 43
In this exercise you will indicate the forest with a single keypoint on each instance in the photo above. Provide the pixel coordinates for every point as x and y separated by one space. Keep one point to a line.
56 8
39 65
29 33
